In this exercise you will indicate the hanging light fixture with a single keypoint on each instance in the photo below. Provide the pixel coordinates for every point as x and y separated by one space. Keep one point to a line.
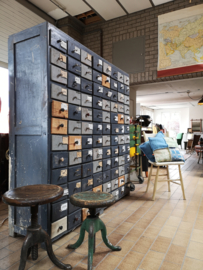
200 102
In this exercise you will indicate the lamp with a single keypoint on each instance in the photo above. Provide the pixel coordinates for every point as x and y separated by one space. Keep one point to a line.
200 102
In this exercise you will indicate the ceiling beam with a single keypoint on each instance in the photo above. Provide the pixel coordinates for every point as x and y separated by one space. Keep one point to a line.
93 9
152 3
122 7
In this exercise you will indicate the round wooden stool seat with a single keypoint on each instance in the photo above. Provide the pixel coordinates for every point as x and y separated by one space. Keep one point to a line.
90 199
32 195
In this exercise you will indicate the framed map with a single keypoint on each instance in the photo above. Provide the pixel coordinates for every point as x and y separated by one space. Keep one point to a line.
180 42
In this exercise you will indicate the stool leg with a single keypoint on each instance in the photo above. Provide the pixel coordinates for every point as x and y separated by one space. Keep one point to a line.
25 251
81 238
181 182
91 246
105 239
155 183
149 178
169 187
47 240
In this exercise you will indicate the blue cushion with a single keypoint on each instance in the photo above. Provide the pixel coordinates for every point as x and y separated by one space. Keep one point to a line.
176 155
158 142
147 150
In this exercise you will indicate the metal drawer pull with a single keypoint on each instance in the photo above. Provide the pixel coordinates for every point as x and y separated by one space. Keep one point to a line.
115 161
122 170
76 112
121 77
88 72
107 81
107 141
87 100
78 70
107 105
114 96
61 59
74 50
60 228
99 65
89 169
61 159
76 128
76 218
61 125
98 116
98 179
76 142
107 117
76 65
75 83
75 97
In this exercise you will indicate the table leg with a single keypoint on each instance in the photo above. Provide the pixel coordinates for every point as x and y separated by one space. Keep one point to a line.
25 250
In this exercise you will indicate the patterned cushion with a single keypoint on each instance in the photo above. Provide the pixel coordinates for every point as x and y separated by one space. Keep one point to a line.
171 142
162 155
176 155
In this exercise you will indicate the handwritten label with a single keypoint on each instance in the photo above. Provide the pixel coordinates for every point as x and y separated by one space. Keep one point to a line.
116 171
122 86
64 91
77 80
108 185
99 103
100 163
89 140
116 159
100 140
63 173
116 181
116 151
100 90
123 148
100 151
115 85
64 45
63 74
77 50
100 62
78 185
89 98
116 139
116 118
64 207
90 126
108 127
122 189
116 130
90 152
65 192
122 116
62 58
115 105
90 182
64 106
89 57
100 127
99 78
109 94
65 140
109 162
79 154
116 193
108 152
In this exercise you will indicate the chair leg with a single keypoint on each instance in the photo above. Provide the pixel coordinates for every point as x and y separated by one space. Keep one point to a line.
81 237
155 183
181 182
169 187
149 178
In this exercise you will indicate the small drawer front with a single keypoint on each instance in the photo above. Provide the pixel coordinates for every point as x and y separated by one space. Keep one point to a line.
74 127
115 193
87 142
74 172
114 151
86 58
121 150
87 128
121 129
127 90
74 51
97 140
121 88
121 118
72 208
97 153
87 155
126 80
127 119
59 160
87 169
59 109
127 139
114 96
87 114
114 162
59 143
58 227
127 178
127 129
97 77
86 72
123 191
59 59
106 81
59 176
98 90
126 109
114 140
58 92
121 97
127 151
74 219
121 160
107 68
97 115
106 105
127 158
114 85
106 164
74 97
121 180
97 189
86 100
114 73
74 112
74 187
97 63
87 183
74 66
75 157
97 103
127 168
114 107
75 143
106 140
58 41
114 118
107 152
120 77
106 176
114 173
98 179
114 184
97 166
121 170
106 117
127 100
107 93
59 126
107 187
97 128
121 139
59 210
59 75
121 108
106 129
115 129
74 81
86 86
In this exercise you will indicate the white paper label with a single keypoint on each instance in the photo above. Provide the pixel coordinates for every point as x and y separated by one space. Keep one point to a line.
99 103
77 50
64 207
115 85
108 126
99 78
116 139
109 162
90 152
108 185
116 118
65 192
122 189
122 116
100 62
122 86
64 106
122 129
100 127
128 157
79 108
100 90
77 79
78 141
89 140
100 151
64 44
116 159
109 94
100 140
90 126
122 96
123 148
116 192
64 91
127 128
128 148
89 98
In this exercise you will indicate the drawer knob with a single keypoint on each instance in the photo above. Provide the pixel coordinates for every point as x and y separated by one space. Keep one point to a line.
107 81
76 65
61 125
98 116
88 72
76 142
61 159
76 218
60 228
62 110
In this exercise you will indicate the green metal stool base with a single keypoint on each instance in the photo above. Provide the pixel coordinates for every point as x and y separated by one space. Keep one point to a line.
92 225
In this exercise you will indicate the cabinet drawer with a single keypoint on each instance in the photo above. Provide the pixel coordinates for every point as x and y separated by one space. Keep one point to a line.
87 114
114 151
121 160
127 100
106 176
74 81
121 150
59 176
114 173
121 88
127 90
75 157
127 139
126 80
87 142
74 97
58 126
87 169
75 143
87 183
97 140
97 103
97 153
73 50
126 109
87 155
114 118
59 75
86 100
106 81
86 58
121 97
114 184
86 72
127 158
127 168
114 73
121 108
74 127
115 193
114 96
97 166
114 84
87 128
106 117
115 129
106 164
107 152
74 112
107 93
114 140
121 180
59 210
123 190
59 59
121 118
97 128
97 63
74 219
106 129
97 189
107 187
72 208
58 227
58 92
86 86
127 129
114 107
120 77
74 187
59 160
107 68
106 140
74 173
114 162
97 115
121 139
127 151
58 41
127 119
106 105
121 170
59 109
59 143
97 178
97 77
74 66
98 90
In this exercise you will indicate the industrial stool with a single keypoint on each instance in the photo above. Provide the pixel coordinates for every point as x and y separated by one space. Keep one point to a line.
33 196
92 223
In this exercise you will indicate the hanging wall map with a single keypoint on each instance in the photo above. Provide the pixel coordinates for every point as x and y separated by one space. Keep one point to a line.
181 42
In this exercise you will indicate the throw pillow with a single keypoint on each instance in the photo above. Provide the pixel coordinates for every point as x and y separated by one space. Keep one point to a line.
158 142
162 155
176 155
171 142
147 150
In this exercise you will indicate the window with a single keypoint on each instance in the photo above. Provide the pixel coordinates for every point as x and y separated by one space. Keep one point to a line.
4 101
171 121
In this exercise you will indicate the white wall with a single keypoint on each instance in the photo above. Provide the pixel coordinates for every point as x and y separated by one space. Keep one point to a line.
196 112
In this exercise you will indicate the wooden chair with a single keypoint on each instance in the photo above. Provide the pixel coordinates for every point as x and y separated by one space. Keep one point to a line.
167 174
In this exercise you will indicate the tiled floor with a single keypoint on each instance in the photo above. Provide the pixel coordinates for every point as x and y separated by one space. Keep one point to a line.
166 234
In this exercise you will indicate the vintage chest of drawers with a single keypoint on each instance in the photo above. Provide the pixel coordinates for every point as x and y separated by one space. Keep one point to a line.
69 124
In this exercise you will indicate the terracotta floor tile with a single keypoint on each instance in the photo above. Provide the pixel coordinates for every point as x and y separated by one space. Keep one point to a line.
195 250
159 221
170 266
10 260
197 236
99 254
192 264
175 254
152 261
168 231
134 234
81 266
178 213
143 223
109 263
44 264
199 224
185 227
124 228
173 221
73 259
134 218
131 261
181 239
114 238
66 238
143 244
4 252
125 247
161 244
151 232
16 266
16 245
